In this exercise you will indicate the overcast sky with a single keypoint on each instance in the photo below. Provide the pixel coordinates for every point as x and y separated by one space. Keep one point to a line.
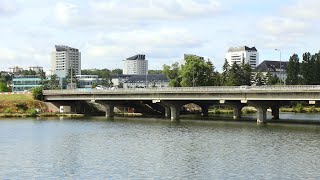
106 32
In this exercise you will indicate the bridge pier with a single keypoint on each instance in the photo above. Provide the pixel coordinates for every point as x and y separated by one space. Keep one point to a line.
205 110
237 112
109 108
261 114
167 111
275 112
175 112
237 108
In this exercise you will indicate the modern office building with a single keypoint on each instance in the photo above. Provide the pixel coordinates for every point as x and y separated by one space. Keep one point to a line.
136 65
25 83
243 54
15 69
65 58
37 69
87 81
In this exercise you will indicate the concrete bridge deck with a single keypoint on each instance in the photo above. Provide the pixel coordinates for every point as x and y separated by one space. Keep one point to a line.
173 98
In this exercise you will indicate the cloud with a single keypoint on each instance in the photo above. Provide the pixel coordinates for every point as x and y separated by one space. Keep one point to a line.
304 9
8 7
7 54
160 43
115 12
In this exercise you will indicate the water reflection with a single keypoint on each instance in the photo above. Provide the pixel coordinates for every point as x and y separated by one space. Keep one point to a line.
156 148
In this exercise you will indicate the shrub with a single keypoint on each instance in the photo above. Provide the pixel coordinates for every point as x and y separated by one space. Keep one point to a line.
32 112
22 106
37 93
8 110
299 108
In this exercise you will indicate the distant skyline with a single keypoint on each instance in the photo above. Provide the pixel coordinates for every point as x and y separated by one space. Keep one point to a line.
107 32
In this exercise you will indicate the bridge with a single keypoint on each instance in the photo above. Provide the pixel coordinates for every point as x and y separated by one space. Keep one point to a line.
173 98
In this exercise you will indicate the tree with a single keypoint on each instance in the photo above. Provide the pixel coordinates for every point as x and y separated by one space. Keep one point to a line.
37 93
197 72
307 66
4 87
259 80
246 72
293 70
272 79
116 71
224 75
172 72
234 76
72 79
154 71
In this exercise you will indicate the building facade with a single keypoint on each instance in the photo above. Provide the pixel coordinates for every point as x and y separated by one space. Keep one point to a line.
25 83
275 68
87 81
150 80
243 54
36 69
15 69
136 65
64 58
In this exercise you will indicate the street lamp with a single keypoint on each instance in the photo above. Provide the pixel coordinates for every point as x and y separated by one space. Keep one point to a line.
280 74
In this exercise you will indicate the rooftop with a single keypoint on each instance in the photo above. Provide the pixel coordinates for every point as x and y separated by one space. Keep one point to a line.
65 48
242 48
271 66
137 57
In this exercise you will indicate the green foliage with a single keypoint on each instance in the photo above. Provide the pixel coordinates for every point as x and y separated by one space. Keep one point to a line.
8 111
197 72
37 93
71 78
293 70
173 73
32 112
105 74
299 108
4 87
22 106
272 80
154 71
259 81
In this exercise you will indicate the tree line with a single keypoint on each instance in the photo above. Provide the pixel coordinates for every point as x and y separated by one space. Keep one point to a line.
199 72
306 72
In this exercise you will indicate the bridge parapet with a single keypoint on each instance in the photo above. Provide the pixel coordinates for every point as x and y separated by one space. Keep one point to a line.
220 89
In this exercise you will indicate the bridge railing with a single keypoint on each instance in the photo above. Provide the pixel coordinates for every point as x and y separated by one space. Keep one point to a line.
188 89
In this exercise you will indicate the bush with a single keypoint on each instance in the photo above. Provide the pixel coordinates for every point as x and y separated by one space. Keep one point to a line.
32 112
22 106
8 110
37 93
299 108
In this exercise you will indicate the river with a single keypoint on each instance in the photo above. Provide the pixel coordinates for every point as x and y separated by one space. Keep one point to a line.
154 148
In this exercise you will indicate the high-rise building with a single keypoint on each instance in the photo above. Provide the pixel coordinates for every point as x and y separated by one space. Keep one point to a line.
65 58
136 65
243 54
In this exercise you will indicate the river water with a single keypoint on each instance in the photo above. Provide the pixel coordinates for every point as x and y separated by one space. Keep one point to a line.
152 148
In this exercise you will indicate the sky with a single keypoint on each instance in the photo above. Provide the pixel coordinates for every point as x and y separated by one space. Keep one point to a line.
108 31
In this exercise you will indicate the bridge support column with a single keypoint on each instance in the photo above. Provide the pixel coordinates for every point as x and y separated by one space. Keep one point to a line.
237 112
275 112
167 111
175 112
261 114
237 107
109 108
261 107
205 110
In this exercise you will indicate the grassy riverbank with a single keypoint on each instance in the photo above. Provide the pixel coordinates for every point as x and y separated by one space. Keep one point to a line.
20 105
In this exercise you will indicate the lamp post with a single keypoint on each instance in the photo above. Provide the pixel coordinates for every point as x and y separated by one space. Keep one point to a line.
193 77
280 73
